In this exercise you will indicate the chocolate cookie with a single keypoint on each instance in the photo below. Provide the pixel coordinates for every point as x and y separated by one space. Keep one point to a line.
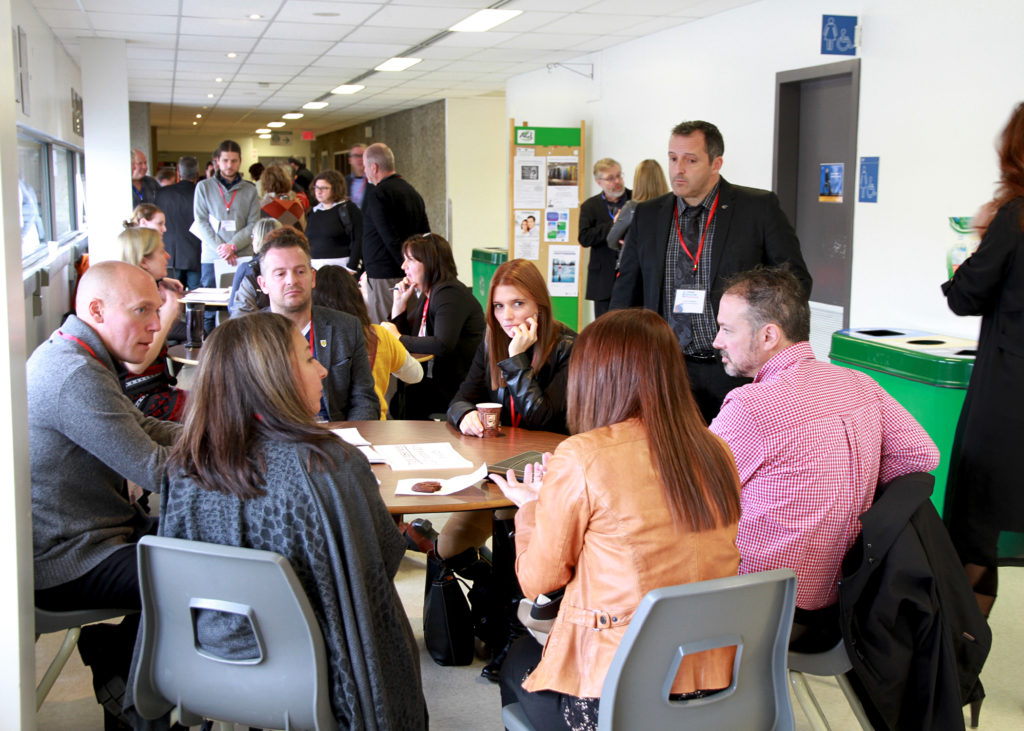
426 486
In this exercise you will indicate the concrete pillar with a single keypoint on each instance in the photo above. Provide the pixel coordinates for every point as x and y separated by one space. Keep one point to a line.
17 671
107 142
138 122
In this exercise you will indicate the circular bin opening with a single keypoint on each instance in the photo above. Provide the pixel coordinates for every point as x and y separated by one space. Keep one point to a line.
880 333
967 351
925 341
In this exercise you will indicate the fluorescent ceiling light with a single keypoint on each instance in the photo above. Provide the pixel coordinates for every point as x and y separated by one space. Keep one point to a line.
232 54
398 63
263 131
255 16
347 89
314 105
484 20
293 115
275 124
266 136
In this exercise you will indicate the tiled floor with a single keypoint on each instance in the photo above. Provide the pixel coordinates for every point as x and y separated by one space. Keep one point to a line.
460 700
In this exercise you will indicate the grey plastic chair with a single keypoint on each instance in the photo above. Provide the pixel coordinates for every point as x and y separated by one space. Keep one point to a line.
753 612
835 663
72 622
285 687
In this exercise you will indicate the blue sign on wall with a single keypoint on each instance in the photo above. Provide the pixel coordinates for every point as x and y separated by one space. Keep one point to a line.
830 188
868 180
837 35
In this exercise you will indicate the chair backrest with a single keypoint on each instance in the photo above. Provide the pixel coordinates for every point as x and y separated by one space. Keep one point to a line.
753 612
285 687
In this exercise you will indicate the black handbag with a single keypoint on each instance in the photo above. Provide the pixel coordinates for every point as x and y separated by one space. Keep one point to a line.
447 623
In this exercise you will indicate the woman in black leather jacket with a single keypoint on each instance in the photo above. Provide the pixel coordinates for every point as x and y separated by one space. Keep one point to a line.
523 364
523 361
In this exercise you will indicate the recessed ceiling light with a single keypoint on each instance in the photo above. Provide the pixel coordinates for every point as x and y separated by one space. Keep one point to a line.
232 54
314 105
398 63
199 116
266 136
347 89
209 96
293 115
219 79
275 124
263 131
484 20
194 124
255 16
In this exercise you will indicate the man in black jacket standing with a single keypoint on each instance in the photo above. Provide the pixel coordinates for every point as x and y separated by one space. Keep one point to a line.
176 203
596 217
392 212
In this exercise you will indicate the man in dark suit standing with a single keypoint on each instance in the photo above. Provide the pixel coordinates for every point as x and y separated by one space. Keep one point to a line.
392 212
596 217
176 203
689 241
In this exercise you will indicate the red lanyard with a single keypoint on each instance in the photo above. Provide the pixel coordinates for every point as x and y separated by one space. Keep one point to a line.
227 203
312 348
423 322
700 248
516 418
83 344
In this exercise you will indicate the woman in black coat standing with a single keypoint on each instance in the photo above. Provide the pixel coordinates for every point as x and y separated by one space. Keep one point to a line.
985 491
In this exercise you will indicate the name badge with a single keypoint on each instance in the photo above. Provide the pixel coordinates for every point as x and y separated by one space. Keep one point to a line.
690 301
228 225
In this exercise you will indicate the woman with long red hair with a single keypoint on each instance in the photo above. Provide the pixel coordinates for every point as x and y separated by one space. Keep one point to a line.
626 505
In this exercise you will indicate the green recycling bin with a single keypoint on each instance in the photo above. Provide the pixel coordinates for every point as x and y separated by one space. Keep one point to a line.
927 373
485 262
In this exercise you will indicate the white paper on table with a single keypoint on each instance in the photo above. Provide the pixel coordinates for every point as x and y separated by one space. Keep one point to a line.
428 456
371 455
352 436
452 484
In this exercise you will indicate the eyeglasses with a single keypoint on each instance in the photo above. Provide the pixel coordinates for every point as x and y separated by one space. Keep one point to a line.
355 154
610 178
321 187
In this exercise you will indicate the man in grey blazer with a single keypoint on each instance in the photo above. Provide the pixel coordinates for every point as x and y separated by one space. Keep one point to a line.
688 241
335 338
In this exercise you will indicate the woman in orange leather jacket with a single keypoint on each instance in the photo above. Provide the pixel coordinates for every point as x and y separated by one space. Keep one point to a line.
642 497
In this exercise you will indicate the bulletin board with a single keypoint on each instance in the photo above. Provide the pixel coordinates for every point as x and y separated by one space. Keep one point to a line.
547 170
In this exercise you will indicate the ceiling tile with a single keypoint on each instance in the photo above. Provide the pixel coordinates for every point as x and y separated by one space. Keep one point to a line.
299 33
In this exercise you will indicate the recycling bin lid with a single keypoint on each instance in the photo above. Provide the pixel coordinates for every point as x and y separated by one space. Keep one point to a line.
490 255
939 360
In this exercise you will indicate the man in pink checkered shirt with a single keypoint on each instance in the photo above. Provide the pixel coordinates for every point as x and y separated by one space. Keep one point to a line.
811 441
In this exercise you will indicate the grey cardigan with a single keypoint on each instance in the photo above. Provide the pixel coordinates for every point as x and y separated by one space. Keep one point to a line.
85 438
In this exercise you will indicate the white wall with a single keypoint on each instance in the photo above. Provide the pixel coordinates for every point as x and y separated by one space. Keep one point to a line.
477 159
937 85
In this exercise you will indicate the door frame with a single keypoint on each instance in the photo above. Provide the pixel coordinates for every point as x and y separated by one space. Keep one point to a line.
787 132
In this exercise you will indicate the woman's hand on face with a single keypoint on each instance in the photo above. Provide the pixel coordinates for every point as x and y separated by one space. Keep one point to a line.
529 489
471 424
403 291
523 337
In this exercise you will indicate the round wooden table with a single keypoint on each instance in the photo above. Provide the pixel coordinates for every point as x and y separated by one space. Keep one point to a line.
186 356
483 496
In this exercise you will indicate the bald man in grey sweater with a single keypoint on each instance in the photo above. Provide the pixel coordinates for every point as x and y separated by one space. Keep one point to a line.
85 439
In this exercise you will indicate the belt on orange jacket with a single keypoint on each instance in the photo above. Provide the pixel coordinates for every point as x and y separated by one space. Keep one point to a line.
594 618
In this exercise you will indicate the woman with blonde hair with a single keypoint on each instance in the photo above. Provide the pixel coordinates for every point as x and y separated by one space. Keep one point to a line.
253 469
246 295
619 510
148 383
648 183
278 200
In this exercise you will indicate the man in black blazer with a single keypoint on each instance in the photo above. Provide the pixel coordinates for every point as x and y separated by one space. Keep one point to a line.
596 217
176 203
689 241
392 212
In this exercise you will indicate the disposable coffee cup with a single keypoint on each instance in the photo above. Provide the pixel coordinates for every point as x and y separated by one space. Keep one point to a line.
194 312
490 417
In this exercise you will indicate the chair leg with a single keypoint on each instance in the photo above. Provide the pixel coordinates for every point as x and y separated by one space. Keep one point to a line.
855 704
61 658
807 701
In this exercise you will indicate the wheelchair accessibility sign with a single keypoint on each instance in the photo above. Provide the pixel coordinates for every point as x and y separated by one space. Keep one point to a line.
838 35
